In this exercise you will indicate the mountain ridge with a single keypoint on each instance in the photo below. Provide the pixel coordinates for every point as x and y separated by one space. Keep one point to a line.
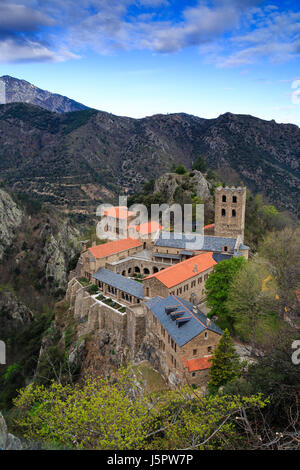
81 158
14 90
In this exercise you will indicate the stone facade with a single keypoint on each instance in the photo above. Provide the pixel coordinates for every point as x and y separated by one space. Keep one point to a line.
130 266
88 265
192 290
167 355
230 206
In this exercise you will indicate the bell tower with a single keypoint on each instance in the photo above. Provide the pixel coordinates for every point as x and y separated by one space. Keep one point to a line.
230 206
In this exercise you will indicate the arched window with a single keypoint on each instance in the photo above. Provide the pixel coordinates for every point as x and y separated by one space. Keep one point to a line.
223 212
233 213
146 271
224 198
155 269
234 199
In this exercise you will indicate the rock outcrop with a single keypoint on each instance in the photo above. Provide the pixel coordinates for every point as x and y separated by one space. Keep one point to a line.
10 220
171 185
58 249
8 441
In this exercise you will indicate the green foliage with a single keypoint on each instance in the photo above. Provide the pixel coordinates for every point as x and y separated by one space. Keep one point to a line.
281 250
73 262
218 287
28 342
180 170
260 219
199 164
252 302
116 414
226 365
93 289
11 370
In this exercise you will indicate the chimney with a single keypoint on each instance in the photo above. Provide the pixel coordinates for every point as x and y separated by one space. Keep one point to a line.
195 270
208 321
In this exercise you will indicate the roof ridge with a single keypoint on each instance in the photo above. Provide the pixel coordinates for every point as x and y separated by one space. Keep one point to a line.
196 318
186 261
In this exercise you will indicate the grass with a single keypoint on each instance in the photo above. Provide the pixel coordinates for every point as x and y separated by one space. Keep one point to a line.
154 382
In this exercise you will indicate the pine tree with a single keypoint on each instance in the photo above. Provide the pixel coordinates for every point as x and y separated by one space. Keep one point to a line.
225 363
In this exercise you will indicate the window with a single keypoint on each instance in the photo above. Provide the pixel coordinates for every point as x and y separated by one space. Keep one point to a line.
194 352
233 213
209 349
234 199
223 212
225 248
205 335
223 198
193 374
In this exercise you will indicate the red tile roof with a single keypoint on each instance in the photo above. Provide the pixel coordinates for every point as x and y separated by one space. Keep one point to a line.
200 363
110 248
147 227
178 273
119 212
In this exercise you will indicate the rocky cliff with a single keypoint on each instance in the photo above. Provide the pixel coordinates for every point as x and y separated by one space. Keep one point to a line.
10 220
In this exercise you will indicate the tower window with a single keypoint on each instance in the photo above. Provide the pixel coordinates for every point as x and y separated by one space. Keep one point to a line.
223 198
223 212
225 248
234 199
233 213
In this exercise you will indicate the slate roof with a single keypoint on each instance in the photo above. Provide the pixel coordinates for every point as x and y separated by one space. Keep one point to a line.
120 282
196 324
195 242
220 257
166 255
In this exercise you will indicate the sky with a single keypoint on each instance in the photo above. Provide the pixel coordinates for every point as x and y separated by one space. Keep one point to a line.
142 57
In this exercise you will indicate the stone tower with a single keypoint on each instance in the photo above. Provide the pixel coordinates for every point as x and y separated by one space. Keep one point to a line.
230 205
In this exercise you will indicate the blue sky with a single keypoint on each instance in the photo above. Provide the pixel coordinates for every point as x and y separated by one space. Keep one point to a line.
142 57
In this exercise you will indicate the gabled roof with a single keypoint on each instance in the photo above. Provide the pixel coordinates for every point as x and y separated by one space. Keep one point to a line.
182 333
119 212
195 364
110 248
180 272
119 282
146 228
194 241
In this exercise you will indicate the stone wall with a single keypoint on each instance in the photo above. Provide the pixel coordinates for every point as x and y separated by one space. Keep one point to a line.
230 206
136 265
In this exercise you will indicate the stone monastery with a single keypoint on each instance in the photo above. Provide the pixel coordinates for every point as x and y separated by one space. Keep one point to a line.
150 289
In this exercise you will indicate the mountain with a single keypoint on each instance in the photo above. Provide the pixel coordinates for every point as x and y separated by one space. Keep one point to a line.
81 158
13 90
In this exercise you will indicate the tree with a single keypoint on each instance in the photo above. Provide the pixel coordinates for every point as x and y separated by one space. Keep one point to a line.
180 170
253 302
199 164
117 413
261 218
218 286
282 251
225 363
